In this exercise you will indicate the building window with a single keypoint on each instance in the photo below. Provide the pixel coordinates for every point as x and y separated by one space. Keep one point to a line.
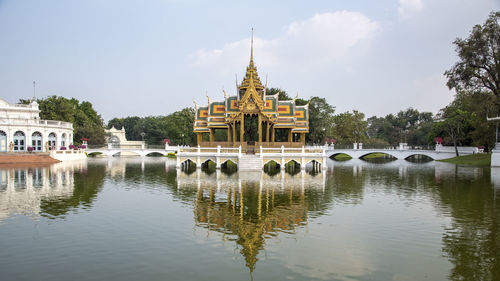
3 141
36 141
19 140
52 141
63 139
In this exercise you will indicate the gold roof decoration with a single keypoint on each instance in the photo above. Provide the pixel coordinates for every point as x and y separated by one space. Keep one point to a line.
251 89
252 101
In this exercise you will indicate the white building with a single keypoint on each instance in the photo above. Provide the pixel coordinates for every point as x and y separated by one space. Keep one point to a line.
21 126
118 139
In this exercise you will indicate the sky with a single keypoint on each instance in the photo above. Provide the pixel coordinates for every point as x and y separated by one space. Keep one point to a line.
143 58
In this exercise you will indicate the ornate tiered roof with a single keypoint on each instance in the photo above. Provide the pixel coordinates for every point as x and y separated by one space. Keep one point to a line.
251 98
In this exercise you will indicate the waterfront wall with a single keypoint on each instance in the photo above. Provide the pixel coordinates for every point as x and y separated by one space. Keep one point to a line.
68 155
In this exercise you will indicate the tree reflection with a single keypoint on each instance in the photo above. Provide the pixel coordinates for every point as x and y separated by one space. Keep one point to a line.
49 191
87 184
472 241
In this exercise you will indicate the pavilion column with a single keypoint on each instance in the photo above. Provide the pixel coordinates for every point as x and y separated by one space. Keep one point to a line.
303 139
273 134
229 133
267 132
290 134
242 129
199 138
260 130
234 132
211 135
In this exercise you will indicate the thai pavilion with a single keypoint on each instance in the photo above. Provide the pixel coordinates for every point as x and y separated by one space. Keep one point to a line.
251 104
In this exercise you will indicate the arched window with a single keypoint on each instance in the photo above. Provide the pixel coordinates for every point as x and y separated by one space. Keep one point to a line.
19 141
52 141
115 141
3 141
63 139
36 141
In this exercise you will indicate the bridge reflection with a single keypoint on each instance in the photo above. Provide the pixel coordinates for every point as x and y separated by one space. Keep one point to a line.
250 207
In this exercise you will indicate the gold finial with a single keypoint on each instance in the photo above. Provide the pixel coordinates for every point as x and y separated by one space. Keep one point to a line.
265 89
206 94
237 87
195 104
251 48
225 94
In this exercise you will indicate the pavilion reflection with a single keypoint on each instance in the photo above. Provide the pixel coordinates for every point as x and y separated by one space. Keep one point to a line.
250 207
23 190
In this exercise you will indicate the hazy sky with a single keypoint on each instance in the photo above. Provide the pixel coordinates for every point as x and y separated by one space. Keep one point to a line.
153 57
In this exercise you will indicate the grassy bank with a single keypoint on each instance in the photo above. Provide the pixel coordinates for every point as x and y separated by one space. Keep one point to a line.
342 157
377 155
482 159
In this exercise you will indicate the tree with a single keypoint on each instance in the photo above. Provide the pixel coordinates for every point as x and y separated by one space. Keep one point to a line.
320 116
479 104
409 126
455 122
320 119
478 69
177 126
476 131
87 123
349 127
180 126
282 95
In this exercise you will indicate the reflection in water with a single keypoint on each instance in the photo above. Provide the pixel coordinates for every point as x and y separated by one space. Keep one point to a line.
472 240
25 190
366 221
250 207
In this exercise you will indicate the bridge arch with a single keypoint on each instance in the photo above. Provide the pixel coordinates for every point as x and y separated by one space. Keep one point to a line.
333 155
187 160
378 152
229 161
155 153
295 162
127 153
420 154
309 161
206 162
271 164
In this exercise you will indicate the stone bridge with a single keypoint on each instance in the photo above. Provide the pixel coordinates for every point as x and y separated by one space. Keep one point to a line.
439 153
139 151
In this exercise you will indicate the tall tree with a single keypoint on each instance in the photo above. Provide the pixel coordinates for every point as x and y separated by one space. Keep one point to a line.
478 68
349 127
455 122
177 126
87 123
320 119
408 125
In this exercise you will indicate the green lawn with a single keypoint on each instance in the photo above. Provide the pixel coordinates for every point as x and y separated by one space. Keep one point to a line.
376 155
342 157
482 159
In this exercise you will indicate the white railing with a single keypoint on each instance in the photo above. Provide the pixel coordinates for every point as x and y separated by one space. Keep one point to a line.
261 151
461 149
23 122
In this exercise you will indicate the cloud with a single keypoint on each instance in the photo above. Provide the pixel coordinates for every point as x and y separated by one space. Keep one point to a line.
407 8
306 45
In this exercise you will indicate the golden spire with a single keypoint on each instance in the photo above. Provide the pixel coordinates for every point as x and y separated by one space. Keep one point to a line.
251 73
251 49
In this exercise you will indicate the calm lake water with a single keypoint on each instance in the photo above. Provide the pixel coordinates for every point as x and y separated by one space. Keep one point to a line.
141 219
